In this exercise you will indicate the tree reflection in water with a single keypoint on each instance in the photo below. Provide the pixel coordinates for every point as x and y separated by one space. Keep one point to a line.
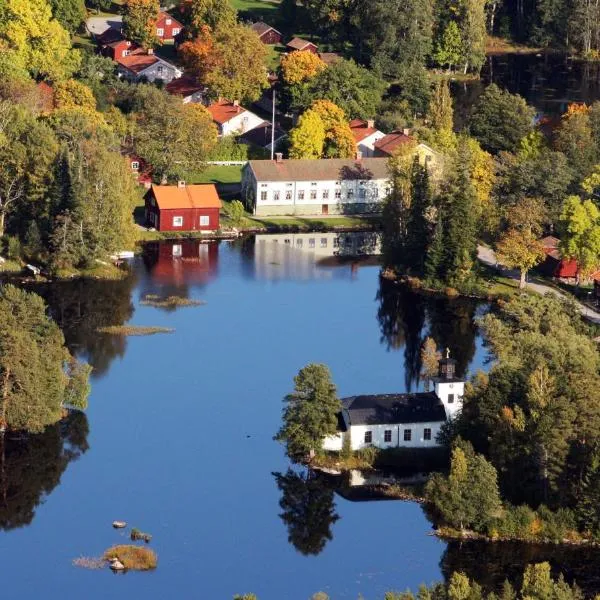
308 509
406 318
31 466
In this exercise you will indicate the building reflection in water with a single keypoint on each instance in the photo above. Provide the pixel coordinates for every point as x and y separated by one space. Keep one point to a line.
32 465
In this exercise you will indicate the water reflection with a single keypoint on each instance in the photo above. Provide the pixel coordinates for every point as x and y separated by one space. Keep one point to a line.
308 506
407 318
31 467
80 307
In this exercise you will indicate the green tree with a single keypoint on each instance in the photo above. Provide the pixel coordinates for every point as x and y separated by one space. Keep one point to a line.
139 22
217 14
449 49
311 412
33 383
500 120
69 13
574 139
580 227
473 34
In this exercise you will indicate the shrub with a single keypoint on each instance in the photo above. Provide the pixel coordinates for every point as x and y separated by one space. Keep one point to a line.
137 558
12 247
236 211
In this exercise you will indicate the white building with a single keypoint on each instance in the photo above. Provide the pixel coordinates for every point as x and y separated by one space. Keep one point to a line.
315 187
365 135
400 420
146 66
232 118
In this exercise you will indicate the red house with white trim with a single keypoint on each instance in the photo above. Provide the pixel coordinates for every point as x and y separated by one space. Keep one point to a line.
167 27
183 207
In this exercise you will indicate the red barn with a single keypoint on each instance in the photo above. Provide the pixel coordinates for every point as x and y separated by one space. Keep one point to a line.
167 28
183 207
300 45
266 33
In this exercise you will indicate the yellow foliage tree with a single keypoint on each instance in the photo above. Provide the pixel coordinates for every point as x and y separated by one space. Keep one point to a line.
483 177
330 113
32 41
307 139
298 67
139 21
339 142
520 250
74 94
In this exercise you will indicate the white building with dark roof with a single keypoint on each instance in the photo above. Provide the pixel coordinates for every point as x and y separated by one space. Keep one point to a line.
400 420
315 187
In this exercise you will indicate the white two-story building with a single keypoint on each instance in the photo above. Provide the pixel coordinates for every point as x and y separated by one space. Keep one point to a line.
315 187
400 420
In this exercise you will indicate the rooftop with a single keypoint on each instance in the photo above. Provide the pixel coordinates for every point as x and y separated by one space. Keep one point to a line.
330 58
186 196
325 169
299 44
362 129
184 86
383 409
224 110
261 135
391 141
261 28
137 62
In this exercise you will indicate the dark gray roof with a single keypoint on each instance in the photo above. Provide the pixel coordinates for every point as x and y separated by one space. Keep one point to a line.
261 135
383 409
324 169
261 28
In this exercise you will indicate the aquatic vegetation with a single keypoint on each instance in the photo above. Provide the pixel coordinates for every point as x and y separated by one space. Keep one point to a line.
89 562
136 535
137 558
169 301
133 330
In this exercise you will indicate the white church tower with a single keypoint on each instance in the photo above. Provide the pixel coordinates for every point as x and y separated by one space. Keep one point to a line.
447 387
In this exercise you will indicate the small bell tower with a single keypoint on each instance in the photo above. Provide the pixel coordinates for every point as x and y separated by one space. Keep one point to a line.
447 387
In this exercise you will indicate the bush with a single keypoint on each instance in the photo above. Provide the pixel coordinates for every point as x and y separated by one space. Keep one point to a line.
137 558
236 211
12 247
227 148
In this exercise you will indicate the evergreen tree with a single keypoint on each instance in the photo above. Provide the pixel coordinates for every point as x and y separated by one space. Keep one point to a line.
418 231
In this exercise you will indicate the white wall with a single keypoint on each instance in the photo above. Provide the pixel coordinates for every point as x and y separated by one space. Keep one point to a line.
152 73
357 435
333 443
444 390
241 123
367 146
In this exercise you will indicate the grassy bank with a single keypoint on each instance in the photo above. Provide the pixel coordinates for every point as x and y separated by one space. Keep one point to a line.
499 45
129 330
218 174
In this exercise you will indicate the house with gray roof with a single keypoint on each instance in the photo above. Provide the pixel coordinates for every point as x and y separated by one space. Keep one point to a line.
400 420
315 187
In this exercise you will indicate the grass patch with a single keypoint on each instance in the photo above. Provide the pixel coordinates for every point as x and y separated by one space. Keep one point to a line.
218 174
106 271
169 301
265 10
133 330
10 266
499 45
136 558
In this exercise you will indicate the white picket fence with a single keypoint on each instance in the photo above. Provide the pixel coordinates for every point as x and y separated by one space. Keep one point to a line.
227 163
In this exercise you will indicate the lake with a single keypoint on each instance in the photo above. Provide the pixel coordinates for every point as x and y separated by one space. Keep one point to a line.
178 442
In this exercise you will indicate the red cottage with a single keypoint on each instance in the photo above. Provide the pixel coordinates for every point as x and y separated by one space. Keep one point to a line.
300 45
167 28
266 33
183 207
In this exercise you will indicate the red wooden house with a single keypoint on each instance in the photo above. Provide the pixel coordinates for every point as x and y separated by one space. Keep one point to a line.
167 27
300 45
183 207
266 33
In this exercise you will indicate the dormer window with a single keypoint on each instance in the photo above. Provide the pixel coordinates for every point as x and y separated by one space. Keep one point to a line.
168 21
450 398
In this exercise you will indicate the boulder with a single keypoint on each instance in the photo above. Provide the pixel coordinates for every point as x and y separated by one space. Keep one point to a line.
116 565
119 524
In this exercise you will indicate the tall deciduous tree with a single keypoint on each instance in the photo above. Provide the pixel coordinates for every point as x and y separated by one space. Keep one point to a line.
69 13
139 21
298 67
216 14
311 412
449 48
33 382
430 358
307 139
441 115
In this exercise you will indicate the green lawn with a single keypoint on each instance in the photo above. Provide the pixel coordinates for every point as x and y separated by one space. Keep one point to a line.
218 174
257 9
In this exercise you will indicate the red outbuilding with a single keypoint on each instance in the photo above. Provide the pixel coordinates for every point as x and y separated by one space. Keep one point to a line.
167 28
183 207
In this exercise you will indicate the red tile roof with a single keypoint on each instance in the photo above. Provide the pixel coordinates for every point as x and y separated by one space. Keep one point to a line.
391 141
137 62
361 130
224 110
184 86
171 197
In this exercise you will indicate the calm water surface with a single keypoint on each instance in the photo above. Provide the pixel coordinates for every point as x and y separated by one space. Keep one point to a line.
178 437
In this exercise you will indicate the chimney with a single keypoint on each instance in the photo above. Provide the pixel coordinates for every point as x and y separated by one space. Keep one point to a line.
150 51
236 102
358 155
181 183
371 124
406 131
278 157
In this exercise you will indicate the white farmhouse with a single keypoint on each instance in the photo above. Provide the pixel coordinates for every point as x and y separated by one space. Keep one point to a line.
232 118
365 135
400 420
139 65
315 187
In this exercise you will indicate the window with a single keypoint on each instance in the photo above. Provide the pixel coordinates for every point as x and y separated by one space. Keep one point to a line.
375 193
323 242
176 249
263 196
427 433
177 221
125 53
314 183
301 195
286 241
362 193
288 195
450 398
289 184
299 243
325 194
311 243
313 194
336 242
168 21
350 194
175 30
135 165
338 194
407 435
263 185
275 196
159 68
387 435
204 220
160 32
368 437
427 159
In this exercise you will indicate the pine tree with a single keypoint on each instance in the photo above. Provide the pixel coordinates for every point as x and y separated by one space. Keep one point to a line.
418 231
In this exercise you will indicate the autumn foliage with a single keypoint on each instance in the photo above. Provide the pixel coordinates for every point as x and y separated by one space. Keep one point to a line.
298 67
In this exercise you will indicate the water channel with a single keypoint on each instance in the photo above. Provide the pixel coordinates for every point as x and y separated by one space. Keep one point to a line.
178 442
